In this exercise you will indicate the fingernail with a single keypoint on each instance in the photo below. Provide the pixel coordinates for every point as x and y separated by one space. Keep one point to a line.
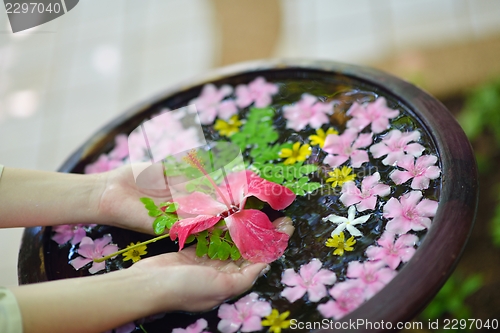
265 270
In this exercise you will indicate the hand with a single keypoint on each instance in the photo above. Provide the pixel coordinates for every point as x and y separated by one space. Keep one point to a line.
119 203
183 281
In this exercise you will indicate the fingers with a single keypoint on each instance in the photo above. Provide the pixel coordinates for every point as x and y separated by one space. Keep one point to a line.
284 224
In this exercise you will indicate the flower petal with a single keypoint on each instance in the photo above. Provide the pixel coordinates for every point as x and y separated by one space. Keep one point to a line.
293 293
183 228
198 203
255 236
277 196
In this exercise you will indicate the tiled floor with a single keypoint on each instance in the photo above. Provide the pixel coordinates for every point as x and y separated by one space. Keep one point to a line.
62 81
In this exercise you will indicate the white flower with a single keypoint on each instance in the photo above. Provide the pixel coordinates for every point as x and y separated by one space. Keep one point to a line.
347 222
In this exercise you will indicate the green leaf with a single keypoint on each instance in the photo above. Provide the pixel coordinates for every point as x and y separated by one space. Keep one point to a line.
308 169
311 187
155 212
170 220
159 225
224 251
213 248
235 253
170 207
190 239
201 246
146 200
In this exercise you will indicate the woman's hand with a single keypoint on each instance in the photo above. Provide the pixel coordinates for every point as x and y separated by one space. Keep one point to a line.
190 283
118 202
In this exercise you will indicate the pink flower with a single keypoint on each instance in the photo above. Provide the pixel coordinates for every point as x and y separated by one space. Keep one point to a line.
311 279
395 145
391 252
376 113
121 147
366 198
104 163
348 295
73 232
307 111
422 171
210 103
409 213
258 91
250 229
373 275
347 146
90 250
198 327
245 315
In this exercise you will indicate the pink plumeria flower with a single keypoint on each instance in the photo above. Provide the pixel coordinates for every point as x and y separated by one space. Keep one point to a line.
120 151
422 171
198 327
376 113
348 295
393 252
258 92
244 315
348 222
311 279
308 111
396 145
366 198
210 104
373 275
90 250
251 230
104 163
409 213
348 145
67 232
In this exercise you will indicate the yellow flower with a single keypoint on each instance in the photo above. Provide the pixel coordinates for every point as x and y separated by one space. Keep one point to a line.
228 128
340 244
340 176
277 321
135 253
319 138
298 153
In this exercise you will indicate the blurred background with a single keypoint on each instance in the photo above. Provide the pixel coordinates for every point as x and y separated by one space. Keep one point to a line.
61 81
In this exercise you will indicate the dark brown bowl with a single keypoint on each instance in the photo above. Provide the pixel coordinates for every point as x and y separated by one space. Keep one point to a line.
419 280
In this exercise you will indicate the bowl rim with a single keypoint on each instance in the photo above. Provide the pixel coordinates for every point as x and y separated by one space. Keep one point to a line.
421 278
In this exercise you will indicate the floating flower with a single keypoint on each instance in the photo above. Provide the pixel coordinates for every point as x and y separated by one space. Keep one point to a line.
198 327
340 244
244 315
210 103
67 232
311 279
318 139
93 249
228 128
277 321
391 252
373 275
340 176
409 213
258 92
307 111
347 146
422 171
366 198
347 222
135 253
298 153
348 295
104 163
120 151
376 113
396 145
250 229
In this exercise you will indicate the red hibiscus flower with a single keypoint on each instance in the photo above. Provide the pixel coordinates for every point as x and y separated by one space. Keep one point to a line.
251 230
